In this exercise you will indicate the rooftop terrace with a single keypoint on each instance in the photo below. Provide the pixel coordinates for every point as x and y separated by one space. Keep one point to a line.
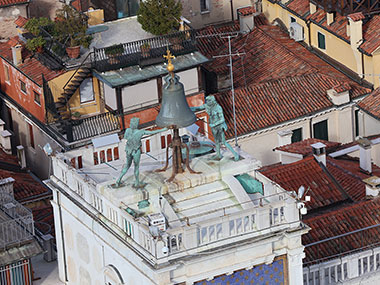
238 211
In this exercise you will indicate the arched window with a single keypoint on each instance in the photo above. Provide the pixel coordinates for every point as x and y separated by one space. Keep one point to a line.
112 275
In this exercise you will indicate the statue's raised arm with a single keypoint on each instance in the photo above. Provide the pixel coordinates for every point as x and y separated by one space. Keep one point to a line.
133 150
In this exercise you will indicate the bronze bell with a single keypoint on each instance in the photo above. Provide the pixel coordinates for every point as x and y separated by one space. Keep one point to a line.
174 108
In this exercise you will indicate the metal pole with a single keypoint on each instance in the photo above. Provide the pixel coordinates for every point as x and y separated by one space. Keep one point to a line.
232 89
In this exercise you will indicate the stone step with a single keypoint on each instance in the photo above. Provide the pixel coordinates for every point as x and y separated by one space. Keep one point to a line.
179 196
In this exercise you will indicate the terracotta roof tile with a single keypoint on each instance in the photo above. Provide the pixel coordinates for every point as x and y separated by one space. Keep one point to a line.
21 21
308 173
274 102
246 11
31 66
371 30
356 16
341 221
304 147
371 103
44 218
12 2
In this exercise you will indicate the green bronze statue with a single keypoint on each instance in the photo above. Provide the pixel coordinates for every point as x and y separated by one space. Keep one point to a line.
133 149
218 125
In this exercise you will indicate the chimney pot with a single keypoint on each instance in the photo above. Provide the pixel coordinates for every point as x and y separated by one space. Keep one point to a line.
284 137
313 8
246 18
6 186
5 137
330 18
17 54
319 152
372 186
365 155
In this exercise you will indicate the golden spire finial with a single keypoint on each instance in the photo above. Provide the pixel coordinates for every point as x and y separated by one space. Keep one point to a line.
169 58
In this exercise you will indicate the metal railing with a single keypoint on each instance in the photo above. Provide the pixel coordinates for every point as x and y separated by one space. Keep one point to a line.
16 222
143 52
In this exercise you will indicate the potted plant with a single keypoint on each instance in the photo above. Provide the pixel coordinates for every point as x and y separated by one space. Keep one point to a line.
36 44
33 25
145 48
71 30
113 52
76 115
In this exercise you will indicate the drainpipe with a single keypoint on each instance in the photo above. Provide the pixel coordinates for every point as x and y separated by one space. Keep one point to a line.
308 31
232 10
62 234
363 71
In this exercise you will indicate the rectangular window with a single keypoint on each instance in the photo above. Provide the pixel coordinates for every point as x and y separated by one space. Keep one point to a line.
356 123
163 142
80 162
86 91
169 138
205 6
31 135
102 156
116 153
320 130
297 135
109 154
37 98
96 159
321 41
147 146
23 86
6 71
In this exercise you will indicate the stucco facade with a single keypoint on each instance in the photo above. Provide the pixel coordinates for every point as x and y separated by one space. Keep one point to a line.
214 11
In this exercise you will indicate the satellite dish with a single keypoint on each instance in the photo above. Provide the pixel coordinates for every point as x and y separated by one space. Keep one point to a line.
301 191
47 149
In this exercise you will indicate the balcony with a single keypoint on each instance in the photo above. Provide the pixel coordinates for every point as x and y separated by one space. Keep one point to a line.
86 128
143 52
16 222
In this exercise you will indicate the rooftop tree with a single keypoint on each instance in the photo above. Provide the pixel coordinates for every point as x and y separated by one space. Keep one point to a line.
159 17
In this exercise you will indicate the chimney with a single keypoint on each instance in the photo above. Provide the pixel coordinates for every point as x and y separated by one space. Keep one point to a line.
2 124
319 152
284 137
372 186
21 156
246 19
330 18
356 29
6 186
313 8
340 94
365 155
16 54
5 137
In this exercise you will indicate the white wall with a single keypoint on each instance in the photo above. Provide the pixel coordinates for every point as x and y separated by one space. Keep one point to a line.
261 144
189 79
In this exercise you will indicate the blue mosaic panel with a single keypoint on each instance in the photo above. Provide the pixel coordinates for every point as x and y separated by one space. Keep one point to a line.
271 274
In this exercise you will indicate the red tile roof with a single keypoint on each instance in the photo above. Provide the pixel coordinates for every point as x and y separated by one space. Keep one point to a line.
371 30
371 103
308 173
246 11
26 187
341 221
274 102
44 218
12 2
21 21
31 66
356 16
371 35
304 147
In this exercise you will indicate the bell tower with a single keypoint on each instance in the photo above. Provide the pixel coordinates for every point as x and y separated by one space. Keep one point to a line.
175 113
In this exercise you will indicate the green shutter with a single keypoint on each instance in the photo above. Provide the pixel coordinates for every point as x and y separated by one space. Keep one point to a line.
320 130
321 41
